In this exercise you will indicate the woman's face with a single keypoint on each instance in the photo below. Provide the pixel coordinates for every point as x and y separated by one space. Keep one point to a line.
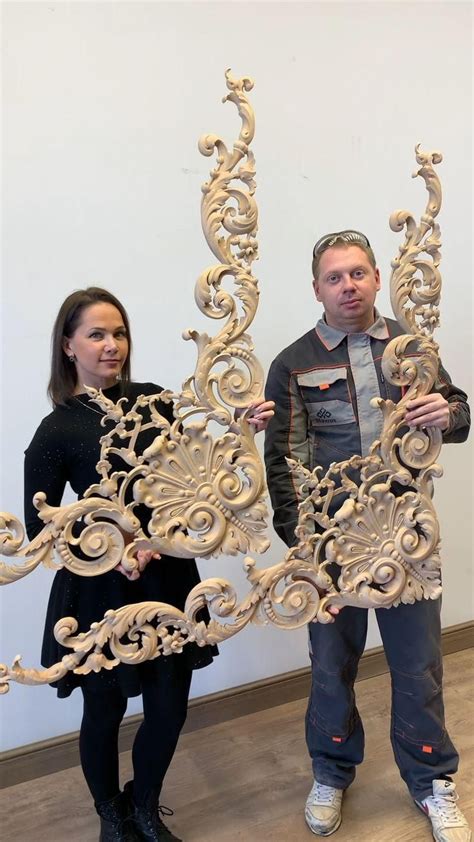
99 345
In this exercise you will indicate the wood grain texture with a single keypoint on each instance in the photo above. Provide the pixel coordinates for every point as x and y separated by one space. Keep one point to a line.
247 779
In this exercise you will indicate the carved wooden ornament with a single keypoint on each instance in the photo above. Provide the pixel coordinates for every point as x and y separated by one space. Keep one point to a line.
206 494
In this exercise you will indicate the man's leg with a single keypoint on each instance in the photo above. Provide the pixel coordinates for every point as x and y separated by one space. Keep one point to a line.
334 732
423 751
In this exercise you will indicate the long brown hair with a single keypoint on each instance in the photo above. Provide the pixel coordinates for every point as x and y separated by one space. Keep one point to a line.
63 378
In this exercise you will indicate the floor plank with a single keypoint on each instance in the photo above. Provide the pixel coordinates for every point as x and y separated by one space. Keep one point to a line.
248 779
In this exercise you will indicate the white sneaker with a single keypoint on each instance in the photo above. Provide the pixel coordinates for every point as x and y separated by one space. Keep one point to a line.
323 809
447 821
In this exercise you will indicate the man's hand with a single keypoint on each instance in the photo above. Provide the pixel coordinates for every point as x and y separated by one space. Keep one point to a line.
428 411
260 412
143 558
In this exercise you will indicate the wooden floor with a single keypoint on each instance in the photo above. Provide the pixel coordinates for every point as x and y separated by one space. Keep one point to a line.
248 779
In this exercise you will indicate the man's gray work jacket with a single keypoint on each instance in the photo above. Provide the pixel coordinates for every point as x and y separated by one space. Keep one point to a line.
322 386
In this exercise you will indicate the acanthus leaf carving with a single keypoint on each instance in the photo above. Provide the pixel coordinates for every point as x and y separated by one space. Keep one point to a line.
370 517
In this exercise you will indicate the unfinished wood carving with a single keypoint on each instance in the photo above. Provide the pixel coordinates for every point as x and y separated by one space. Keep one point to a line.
206 494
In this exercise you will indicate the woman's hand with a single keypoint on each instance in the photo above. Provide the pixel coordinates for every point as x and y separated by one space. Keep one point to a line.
143 558
259 413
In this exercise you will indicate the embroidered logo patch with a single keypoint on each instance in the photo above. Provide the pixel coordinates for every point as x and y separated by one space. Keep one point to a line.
329 413
324 415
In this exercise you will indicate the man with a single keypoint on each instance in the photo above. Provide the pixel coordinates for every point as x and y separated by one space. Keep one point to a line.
322 385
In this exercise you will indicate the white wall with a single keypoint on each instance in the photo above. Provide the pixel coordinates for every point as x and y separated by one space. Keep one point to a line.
103 106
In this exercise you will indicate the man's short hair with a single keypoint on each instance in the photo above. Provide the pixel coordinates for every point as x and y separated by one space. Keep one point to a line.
341 239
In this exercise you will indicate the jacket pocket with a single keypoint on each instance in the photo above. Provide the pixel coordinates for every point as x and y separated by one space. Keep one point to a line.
327 398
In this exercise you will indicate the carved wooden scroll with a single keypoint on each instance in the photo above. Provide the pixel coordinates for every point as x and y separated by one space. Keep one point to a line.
205 494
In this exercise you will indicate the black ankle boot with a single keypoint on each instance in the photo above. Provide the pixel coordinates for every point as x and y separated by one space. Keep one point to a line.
116 824
150 825
147 819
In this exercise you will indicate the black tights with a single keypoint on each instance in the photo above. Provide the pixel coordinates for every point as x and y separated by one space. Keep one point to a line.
165 687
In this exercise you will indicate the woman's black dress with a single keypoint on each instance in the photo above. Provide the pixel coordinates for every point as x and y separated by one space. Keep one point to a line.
65 448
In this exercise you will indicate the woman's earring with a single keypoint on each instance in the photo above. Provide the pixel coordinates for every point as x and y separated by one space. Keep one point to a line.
71 358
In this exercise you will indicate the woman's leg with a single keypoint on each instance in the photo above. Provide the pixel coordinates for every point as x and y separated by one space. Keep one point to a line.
165 688
98 742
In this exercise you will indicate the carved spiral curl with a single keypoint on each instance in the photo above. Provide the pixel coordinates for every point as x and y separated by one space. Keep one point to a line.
296 606
12 533
213 301
417 369
418 545
232 491
4 679
238 387
102 542
419 448
207 520
386 572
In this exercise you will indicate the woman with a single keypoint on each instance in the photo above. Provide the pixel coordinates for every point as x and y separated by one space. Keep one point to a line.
91 345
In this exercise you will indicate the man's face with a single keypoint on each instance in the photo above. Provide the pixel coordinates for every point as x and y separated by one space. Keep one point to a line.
347 285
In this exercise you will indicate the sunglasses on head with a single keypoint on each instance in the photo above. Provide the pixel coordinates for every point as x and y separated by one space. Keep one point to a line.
346 236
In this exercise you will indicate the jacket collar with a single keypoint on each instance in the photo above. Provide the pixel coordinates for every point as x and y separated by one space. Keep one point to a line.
331 337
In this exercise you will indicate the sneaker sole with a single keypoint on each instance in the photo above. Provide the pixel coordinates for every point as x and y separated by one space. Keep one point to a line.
324 832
